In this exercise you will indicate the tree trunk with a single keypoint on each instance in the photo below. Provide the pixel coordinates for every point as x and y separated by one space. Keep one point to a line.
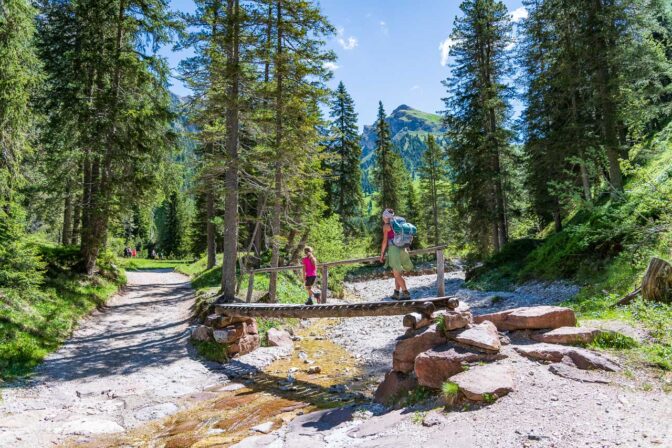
605 92
230 253
657 281
66 238
211 240
557 220
76 220
279 107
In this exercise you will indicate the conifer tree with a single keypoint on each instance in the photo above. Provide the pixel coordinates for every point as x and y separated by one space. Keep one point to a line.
344 181
433 174
298 28
20 267
476 116
387 178
107 89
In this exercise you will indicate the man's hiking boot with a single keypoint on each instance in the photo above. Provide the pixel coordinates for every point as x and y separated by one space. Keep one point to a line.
309 301
405 295
395 296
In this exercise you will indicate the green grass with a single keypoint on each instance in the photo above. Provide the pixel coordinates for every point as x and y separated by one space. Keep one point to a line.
213 351
135 264
33 326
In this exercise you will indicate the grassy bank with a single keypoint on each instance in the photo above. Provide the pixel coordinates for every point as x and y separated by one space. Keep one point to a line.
136 264
605 248
35 324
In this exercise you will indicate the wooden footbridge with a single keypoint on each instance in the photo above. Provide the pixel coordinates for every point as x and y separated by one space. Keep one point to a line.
423 307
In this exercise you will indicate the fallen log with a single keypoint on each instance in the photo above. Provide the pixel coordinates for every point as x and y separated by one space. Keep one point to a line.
628 297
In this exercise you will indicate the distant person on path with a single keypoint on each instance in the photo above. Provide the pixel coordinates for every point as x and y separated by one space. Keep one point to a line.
309 272
154 257
397 258
134 253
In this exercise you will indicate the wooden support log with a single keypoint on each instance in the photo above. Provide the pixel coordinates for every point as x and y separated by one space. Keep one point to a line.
325 284
250 286
417 320
657 281
440 273
425 307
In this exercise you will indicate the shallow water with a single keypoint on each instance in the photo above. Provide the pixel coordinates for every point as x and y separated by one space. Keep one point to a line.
219 417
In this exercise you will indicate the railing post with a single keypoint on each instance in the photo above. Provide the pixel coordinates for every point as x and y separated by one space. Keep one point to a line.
250 286
440 268
325 280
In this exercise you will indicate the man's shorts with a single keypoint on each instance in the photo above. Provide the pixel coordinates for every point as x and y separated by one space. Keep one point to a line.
310 281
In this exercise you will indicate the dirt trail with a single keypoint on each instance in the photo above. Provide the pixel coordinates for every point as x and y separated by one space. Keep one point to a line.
125 365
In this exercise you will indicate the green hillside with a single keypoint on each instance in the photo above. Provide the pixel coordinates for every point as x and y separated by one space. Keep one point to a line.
605 248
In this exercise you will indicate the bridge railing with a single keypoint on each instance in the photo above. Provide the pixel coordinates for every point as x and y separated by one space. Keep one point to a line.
324 270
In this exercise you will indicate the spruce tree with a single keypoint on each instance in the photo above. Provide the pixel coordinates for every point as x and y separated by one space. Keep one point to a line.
107 89
387 178
20 267
344 179
433 175
476 116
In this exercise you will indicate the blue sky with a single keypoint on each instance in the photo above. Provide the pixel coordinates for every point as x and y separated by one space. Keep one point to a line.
388 50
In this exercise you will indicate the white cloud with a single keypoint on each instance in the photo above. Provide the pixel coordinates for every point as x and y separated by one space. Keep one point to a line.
383 27
348 43
331 66
444 48
415 87
519 14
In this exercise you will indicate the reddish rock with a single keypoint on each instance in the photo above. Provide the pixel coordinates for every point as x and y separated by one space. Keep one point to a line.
408 347
483 336
251 327
394 386
248 343
568 335
582 358
433 367
229 334
484 383
530 318
279 338
454 320
219 322
201 333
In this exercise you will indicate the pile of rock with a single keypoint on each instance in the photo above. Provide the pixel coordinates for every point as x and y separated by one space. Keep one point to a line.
239 334
467 350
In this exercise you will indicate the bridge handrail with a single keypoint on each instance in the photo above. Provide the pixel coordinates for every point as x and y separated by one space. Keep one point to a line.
425 250
324 270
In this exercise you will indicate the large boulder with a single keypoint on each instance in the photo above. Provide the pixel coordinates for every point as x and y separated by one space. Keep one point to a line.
201 333
581 358
394 386
410 346
229 334
482 336
433 367
568 336
279 338
248 343
530 318
485 383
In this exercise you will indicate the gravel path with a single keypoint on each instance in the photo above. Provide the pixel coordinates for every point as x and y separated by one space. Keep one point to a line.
124 365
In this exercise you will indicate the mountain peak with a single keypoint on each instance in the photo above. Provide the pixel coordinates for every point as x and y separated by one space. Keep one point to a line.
401 108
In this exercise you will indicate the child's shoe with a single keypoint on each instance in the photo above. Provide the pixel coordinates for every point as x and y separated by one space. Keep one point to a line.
395 296
405 295
309 301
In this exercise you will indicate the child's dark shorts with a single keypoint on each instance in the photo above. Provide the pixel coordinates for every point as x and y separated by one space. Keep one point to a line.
310 281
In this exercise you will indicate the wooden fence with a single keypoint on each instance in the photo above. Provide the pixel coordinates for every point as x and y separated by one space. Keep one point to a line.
324 270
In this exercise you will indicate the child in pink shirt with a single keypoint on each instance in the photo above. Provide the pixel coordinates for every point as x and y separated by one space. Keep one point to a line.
309 272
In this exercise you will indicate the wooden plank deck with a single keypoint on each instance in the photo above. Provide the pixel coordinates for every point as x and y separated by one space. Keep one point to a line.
363 309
